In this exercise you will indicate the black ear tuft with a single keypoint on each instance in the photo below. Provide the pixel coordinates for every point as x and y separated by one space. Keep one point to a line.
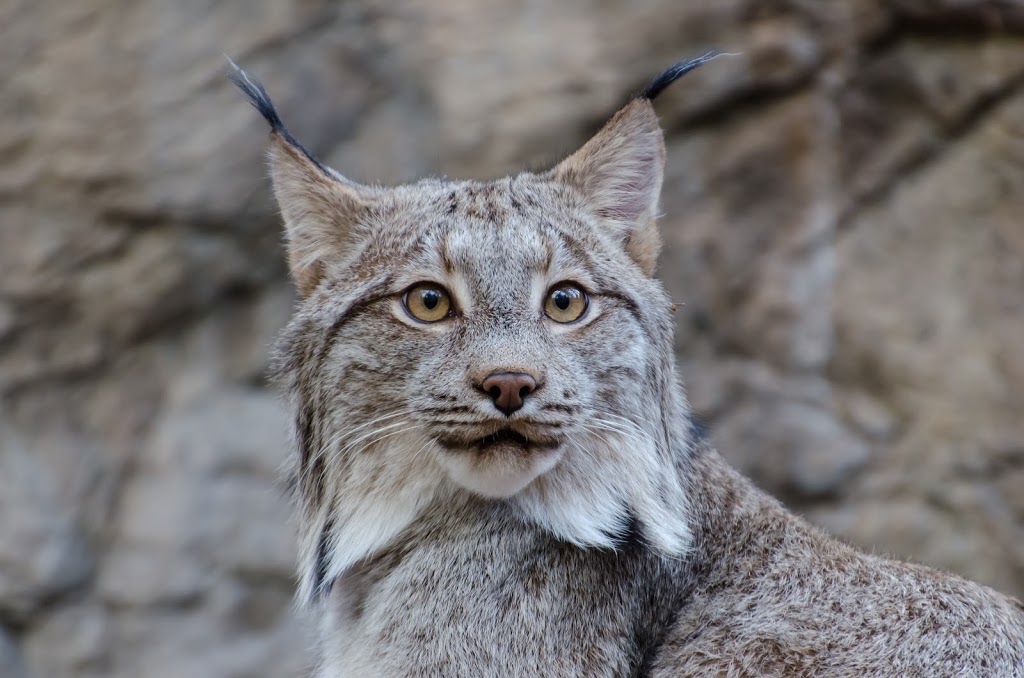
260 100
677 71
258 96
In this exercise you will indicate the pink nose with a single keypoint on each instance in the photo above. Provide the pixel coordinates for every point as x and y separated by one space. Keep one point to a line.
508 390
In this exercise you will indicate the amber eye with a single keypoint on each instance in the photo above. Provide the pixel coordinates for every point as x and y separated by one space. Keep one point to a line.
428 302
566 303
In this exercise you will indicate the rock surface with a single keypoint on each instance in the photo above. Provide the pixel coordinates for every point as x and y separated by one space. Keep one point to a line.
843 223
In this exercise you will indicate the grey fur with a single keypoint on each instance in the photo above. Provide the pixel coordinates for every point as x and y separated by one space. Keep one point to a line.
618 544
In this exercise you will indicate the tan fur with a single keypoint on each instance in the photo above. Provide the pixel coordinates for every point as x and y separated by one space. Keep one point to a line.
615 542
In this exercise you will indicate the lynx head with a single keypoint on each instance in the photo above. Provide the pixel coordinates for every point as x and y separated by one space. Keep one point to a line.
505 339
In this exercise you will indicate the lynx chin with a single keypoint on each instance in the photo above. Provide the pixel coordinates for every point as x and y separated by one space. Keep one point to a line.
496 468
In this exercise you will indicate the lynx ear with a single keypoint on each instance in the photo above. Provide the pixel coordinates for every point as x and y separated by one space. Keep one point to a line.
322 210
620 170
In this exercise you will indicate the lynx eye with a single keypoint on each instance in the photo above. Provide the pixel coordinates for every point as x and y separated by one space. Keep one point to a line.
427 302
566 303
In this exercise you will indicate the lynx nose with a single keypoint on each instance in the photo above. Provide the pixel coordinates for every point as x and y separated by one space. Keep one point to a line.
508 390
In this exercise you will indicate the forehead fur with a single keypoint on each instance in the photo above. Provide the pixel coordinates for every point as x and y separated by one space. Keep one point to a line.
530 221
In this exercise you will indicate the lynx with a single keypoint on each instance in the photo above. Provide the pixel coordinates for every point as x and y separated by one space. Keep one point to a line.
497 472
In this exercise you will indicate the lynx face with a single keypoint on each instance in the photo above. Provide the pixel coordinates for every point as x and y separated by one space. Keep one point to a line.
504 339
505 331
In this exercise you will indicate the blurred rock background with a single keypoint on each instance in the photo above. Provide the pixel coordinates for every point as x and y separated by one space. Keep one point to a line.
844 223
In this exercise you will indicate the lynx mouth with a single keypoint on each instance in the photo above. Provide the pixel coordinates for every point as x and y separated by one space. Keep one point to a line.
502 439
505 435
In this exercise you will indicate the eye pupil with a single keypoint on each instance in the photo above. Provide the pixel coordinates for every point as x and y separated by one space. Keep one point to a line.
562 300
430 299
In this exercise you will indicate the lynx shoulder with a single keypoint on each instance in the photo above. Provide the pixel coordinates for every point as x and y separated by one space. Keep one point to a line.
496 468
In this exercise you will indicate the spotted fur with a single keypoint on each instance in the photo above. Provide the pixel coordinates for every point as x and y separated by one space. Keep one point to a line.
609 538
